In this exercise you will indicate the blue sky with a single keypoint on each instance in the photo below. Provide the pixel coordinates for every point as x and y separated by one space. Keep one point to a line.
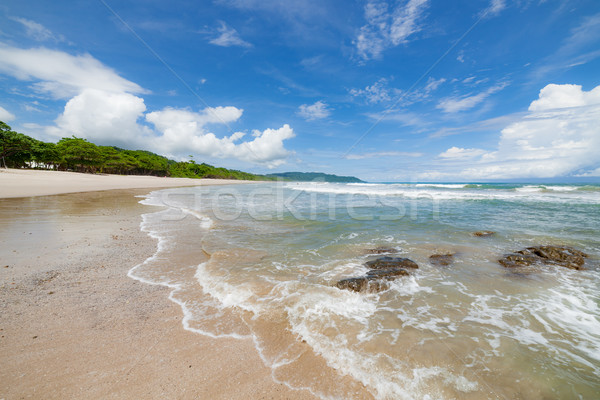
410 90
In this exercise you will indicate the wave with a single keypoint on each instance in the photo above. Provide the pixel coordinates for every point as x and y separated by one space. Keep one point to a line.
525 193
442 185
439 333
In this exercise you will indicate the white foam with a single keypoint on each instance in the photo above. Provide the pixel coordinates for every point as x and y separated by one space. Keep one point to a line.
443 185
228 295
452 192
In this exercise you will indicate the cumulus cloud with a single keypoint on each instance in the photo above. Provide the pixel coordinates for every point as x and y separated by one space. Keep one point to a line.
462 103
564 96
37 31
558 137
104 118
107 109
387 28
315 111
5 115
185 131
60 74
227 37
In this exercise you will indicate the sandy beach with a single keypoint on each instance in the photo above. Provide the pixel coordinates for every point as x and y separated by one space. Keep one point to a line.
26 182
73 325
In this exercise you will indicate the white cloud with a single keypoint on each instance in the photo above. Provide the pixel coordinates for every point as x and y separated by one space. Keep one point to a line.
496 6
104 108
383 154
60 74
315 111
38 31
563 96
104 118
228 37
462 103
377 92
5 115
382 92
184 131
433 84
558 137
593 173
459 153
387 28
580 47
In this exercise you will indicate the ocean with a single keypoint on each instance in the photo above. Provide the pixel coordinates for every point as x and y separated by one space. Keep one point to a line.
261 262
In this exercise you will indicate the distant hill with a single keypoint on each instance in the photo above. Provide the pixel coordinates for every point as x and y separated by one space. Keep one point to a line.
315 176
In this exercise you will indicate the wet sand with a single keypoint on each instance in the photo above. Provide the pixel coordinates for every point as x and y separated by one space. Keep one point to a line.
73 325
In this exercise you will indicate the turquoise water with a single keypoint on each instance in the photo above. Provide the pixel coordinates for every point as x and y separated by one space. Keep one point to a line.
261 261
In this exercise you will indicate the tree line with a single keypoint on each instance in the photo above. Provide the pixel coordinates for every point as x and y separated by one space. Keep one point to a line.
76 154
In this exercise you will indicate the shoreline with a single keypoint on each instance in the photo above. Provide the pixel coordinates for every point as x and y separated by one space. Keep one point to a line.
30 182
74 325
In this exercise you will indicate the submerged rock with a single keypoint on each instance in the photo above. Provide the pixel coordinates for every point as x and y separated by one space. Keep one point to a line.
518 260
382 270
362 284
381 250
391 262
389 274
553 255
484 233
441 260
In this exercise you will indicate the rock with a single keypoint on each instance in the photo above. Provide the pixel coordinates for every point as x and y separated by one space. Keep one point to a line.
362 284
391 262
553 255
484 233
382 270
441 260
389 274
517 260
381 250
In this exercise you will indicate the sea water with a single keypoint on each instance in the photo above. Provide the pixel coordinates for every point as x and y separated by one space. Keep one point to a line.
261 261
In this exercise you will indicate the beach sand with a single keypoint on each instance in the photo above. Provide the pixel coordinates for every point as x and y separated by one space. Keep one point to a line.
73 325
27 182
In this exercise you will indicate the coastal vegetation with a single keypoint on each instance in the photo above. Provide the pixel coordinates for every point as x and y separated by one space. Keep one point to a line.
315 177
76 154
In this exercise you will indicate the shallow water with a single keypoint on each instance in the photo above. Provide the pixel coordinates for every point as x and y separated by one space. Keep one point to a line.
261 261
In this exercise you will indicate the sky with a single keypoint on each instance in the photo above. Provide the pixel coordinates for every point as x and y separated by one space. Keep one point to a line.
408 90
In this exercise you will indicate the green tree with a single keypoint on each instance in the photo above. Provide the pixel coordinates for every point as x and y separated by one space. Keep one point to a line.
78 152
15 148
46 154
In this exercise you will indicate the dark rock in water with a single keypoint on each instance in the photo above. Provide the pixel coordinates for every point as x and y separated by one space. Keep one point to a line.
381 250
554 255
382 270
389 274
391 262
441 260
484 233
518 260
355 284
559 255
362 284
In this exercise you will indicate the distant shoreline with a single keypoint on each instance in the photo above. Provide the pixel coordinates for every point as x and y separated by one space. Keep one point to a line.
28 182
